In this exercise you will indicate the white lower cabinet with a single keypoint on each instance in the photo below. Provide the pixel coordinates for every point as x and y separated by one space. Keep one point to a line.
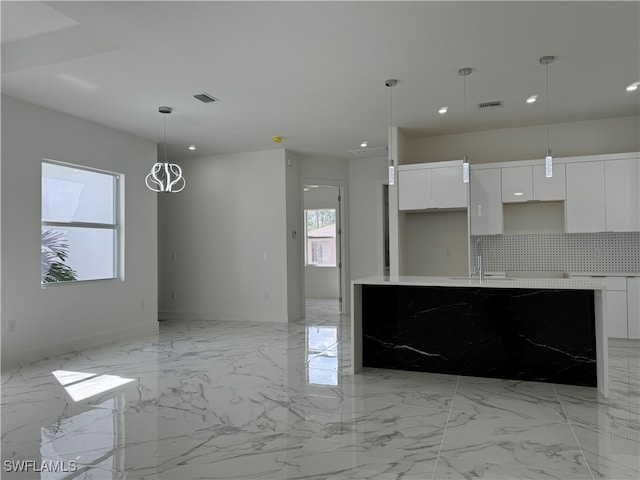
617 313
623 305
633 307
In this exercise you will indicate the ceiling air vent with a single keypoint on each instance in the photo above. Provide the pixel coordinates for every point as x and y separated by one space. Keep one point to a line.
490 105
369 152
206 98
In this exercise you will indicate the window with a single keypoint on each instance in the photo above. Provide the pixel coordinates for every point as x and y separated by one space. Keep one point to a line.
320 232
80 223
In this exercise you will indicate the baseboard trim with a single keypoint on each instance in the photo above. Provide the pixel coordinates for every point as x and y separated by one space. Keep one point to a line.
40 353
224 317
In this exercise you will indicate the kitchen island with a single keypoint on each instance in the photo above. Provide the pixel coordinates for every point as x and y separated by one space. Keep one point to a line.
546 330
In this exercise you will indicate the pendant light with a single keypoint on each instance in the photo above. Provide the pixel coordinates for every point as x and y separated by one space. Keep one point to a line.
392 82
548 160
465 72
165 177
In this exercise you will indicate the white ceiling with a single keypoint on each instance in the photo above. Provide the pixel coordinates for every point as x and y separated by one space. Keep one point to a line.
314 72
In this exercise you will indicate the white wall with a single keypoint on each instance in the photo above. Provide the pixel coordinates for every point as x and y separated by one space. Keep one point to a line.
366 179
436 243
397 230
295 238
232 214
327 169
63 317
592 137
321 282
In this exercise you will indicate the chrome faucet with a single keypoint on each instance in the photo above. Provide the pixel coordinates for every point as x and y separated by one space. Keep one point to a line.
479 259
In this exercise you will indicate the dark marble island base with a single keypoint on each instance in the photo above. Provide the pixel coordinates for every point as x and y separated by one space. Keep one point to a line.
541 335
522 333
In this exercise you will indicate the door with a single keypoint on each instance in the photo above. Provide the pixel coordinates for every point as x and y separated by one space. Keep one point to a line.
323 243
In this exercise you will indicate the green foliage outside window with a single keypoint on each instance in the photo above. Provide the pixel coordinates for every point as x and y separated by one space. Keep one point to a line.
54 252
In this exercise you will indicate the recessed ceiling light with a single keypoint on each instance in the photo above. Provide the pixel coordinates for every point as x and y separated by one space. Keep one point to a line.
633 87
443 110
532 99
192 147
364 144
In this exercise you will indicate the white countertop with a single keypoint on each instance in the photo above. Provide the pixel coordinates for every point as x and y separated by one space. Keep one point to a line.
538 283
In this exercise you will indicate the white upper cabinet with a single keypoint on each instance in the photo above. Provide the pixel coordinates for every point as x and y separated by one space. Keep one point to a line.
549 189
431 185
485 206
622 195
447 188
414 189
517 184
585 204
529 182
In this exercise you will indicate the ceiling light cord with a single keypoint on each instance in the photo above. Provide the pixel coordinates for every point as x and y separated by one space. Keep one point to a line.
465 72
165 138
546 69
466 133
391 124
548 157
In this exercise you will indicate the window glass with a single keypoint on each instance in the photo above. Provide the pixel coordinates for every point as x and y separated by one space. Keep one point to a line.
320 232
76 195
91 252
80 228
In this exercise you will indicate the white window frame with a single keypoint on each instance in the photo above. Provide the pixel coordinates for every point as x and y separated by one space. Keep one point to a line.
116 227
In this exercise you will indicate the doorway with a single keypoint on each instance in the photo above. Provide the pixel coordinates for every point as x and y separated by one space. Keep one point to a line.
323 245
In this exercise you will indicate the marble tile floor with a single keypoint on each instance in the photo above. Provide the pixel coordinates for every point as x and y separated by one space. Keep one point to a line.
216 400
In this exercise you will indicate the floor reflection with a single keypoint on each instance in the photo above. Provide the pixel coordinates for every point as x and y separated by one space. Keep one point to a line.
322 355
92 439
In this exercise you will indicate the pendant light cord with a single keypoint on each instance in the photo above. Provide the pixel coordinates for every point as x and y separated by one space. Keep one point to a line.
165 138
391 124
546 68
466 134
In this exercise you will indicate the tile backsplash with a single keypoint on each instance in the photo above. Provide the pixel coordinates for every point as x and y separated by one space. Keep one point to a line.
568 252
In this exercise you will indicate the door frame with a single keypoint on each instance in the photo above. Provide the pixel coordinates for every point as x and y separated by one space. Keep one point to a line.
342 215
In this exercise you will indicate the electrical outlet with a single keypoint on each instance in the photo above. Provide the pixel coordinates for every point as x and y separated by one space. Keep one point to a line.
12 325
173 295
266 296
141 304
